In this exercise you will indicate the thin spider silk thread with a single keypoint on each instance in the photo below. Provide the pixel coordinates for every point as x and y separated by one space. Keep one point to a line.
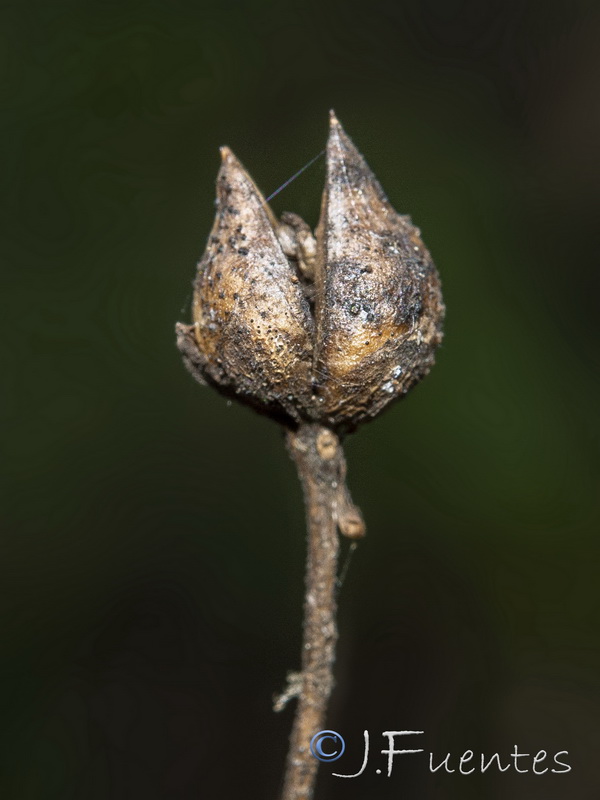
293 178
344 571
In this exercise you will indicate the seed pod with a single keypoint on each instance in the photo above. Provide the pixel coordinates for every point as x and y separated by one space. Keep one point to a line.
379 305
253 332
328 331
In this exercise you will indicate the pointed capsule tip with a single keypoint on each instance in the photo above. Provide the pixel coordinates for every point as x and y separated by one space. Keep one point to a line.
338 138
229 159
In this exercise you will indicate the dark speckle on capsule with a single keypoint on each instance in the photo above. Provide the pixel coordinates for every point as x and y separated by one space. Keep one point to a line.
243 251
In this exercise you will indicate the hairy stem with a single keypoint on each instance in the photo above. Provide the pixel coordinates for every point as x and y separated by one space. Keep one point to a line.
321 466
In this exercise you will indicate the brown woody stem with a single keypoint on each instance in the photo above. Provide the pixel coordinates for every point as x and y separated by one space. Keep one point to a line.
321 466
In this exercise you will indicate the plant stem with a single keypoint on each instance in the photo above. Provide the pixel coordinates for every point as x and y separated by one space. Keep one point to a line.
321 466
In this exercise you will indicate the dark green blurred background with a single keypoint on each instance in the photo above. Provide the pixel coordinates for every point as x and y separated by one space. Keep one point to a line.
152 547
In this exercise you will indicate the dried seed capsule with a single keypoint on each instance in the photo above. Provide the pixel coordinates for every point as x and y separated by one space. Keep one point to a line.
379 306
253 331
328 331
